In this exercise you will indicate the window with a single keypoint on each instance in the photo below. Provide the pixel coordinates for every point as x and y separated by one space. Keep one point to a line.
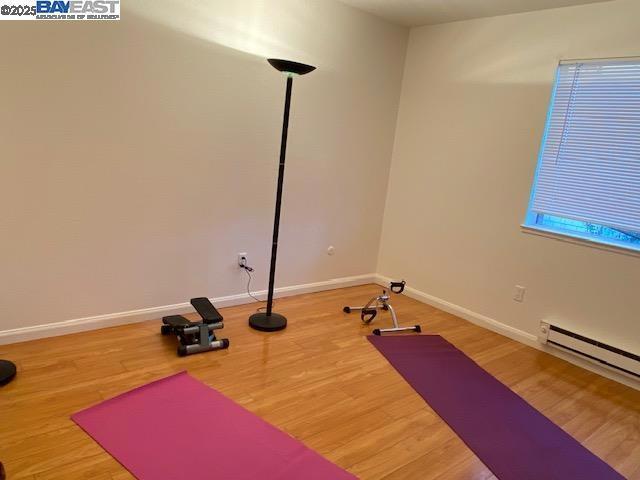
587 183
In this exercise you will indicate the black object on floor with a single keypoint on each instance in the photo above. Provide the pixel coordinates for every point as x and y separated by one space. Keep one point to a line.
196 337
7 372
269 321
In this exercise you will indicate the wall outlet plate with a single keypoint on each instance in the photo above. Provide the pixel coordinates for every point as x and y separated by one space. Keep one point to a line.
243 259
518 294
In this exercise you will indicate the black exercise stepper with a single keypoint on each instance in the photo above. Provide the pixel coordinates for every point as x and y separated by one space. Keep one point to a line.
199 336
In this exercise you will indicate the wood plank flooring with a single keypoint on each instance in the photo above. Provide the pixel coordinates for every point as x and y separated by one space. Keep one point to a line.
319 380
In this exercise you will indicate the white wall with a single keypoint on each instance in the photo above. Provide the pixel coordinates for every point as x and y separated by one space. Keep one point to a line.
139 157
472 113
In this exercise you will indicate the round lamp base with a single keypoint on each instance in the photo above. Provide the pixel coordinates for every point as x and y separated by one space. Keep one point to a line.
267 323
7 372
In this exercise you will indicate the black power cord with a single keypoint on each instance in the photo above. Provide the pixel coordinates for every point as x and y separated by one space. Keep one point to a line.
248 271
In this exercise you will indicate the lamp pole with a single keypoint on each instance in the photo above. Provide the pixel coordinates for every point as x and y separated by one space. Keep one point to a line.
276 220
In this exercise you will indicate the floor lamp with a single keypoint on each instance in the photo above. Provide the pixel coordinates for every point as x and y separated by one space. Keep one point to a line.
7 371
270 321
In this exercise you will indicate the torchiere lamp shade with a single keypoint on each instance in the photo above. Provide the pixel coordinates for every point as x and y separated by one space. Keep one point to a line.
287 66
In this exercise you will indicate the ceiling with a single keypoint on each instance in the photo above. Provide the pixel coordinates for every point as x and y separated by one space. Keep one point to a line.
429 12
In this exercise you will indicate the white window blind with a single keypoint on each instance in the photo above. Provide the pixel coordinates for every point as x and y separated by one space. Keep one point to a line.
589 167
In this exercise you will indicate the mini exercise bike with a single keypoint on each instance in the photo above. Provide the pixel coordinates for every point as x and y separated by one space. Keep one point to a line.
381 302
196 337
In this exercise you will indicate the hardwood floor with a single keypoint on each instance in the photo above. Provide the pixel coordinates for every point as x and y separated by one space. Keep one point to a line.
319 380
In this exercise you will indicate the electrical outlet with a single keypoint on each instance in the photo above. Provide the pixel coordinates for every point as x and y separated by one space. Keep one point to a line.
242 259
518 294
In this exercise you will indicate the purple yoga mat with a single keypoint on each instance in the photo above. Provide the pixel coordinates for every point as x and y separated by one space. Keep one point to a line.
178 428
513 439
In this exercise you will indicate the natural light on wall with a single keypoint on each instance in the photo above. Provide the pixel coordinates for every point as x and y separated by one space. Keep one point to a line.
587 183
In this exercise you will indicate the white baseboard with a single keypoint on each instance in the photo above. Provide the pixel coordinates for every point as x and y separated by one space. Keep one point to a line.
511 332
153 313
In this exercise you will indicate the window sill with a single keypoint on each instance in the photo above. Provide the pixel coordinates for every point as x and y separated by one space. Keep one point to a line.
587 242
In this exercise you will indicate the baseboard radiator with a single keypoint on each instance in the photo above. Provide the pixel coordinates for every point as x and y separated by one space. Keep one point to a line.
589 348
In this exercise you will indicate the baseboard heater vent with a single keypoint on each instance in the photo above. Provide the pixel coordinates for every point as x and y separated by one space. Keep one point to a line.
594 350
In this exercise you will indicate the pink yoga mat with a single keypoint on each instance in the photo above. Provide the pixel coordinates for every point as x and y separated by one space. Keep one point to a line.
178 428
511 437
